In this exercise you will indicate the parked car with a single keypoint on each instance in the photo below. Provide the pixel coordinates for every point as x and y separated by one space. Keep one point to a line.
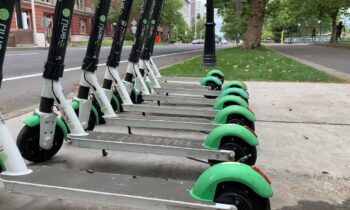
196 41
223 41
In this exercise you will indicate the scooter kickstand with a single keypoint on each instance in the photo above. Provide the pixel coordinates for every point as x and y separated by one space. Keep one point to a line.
104 153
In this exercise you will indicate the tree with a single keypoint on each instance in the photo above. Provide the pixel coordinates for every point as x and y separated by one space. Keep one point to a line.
250 21
234 22
329 9
253 34
286 14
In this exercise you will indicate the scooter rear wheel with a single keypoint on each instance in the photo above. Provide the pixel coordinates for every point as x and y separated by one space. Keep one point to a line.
213 87
244 152
240 196
28 144
240 120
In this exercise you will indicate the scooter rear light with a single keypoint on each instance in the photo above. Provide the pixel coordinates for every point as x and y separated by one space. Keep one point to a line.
261 173
251 111
244 84
251 130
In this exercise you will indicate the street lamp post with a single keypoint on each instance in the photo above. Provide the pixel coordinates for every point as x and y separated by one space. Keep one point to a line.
34 22
209 57
320 23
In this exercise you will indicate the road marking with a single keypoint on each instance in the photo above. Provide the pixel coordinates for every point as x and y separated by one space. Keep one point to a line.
79 68
22 54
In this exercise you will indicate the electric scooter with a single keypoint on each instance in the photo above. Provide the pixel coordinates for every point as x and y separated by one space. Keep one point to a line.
224 143
123 190
231 114
214 83
238 186
82 104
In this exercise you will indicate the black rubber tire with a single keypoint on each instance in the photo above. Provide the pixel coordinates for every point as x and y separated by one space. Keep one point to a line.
214 87
227 104
28 144
235 86
240 120
241 149
136 99
222 79
240 196
92 120
235 94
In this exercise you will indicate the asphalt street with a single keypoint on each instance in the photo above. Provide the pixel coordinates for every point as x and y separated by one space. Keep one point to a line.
22 71
334 58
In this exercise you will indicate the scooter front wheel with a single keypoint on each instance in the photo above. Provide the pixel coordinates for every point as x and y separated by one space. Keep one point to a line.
240 196
92 120
28 144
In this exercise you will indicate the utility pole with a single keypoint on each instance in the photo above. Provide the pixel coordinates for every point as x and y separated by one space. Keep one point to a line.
239 8
209 57
34 22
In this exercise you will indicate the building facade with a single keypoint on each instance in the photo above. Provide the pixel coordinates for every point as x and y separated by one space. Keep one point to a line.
186 12
40 32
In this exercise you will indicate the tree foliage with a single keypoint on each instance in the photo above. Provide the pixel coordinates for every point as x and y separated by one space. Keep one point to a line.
171 14
289 14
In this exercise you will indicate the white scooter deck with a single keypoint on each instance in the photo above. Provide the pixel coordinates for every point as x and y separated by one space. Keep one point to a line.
161 122
171 110
179 99
178 79
108 189
183 85
199 92
178 147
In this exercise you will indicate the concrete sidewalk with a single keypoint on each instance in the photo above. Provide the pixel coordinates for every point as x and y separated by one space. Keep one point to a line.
334 61
304 131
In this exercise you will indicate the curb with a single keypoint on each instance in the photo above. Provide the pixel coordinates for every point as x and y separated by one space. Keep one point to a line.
341 46
333 72
14 49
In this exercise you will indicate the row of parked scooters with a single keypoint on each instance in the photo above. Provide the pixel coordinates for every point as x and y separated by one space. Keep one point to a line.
217 108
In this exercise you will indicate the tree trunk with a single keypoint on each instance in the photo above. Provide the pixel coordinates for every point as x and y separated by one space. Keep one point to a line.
253 34
334 28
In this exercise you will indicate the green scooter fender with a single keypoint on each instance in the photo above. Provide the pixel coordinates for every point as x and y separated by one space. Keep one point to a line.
35 120
219 104
117 102
222 115
237 84
237 91
205 80
214 138
75 106
216 72
149 87
206 185
3 158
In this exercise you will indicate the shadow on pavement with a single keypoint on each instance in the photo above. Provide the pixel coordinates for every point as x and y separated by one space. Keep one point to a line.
318 205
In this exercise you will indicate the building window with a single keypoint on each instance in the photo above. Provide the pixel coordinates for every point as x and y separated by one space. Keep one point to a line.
48 1
81 5
82 26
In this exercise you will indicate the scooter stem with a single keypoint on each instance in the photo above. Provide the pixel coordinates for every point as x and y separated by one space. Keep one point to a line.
75 127
90 79
151 74
10 156
11 161
113 75
155 68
